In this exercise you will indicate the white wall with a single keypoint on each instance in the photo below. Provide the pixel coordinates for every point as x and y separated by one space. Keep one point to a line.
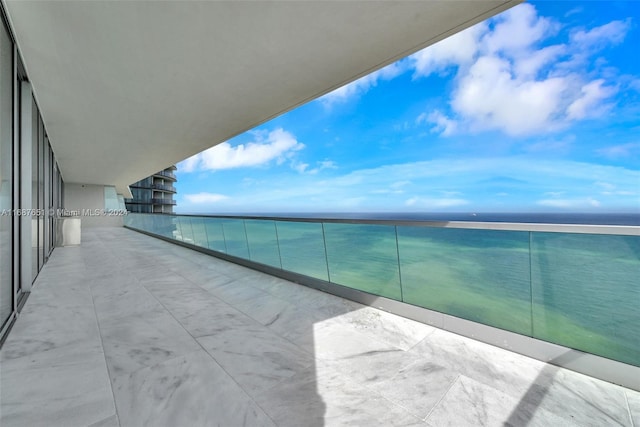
86 198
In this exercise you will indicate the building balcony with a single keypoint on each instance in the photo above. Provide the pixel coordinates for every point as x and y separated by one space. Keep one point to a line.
131 330
161 201
166 174
164 187
138 201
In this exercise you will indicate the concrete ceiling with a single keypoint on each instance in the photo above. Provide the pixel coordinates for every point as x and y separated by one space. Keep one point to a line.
127 88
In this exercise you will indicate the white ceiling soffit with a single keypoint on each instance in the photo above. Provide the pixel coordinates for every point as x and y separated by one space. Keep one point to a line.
127 88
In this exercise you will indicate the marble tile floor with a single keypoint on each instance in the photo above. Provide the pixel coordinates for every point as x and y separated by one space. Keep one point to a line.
128 330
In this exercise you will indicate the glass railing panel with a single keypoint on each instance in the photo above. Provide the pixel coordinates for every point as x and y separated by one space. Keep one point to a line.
147 223
263 242
235 237
302 248
215 236
185 232
586 293
199 232
165 225
363 257
132 220
478 275
178 231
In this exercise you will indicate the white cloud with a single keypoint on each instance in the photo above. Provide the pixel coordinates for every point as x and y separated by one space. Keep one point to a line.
435 203
588 202
320 166
489 97
455 50
605 185
620 151
363 84
557 146
400 184
612 33
190 164
517 29
529 65
201 198
590 102
277 145
299 166
505 81
444 184
441 123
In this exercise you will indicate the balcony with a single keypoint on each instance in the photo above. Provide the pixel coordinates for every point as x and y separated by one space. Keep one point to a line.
163 187
571 285
161 201
167 174
131 330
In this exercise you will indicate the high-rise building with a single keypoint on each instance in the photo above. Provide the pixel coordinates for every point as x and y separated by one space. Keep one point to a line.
154 194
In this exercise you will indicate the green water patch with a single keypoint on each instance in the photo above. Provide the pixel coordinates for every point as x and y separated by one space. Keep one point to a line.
483 278
263 242
302 248
364 257
586 292
235 237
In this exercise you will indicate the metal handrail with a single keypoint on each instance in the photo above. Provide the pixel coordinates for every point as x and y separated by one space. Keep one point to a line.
625 230
163 187
166 174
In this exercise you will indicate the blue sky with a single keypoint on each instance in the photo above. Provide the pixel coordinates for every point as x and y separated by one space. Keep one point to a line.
535 110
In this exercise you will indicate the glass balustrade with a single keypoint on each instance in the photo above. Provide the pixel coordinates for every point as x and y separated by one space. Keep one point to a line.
235 238
571 288
262 241
302 248
364 257
215 235
586 292
478 275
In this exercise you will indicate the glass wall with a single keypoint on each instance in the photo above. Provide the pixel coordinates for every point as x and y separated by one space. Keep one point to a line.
30 184
35 137
575 289
6 176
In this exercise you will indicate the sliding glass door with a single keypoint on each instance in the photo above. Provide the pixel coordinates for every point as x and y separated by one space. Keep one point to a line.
6 177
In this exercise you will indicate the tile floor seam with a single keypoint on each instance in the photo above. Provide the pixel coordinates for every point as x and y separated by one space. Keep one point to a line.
272 330
409 411
626 399
218 300
434 329
237 383
104 355
357 383
590 403
239 310
213 359
370 338
283 380
371 388
442 397
399 405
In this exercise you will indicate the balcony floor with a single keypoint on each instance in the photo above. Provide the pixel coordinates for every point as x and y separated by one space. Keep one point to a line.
129 330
